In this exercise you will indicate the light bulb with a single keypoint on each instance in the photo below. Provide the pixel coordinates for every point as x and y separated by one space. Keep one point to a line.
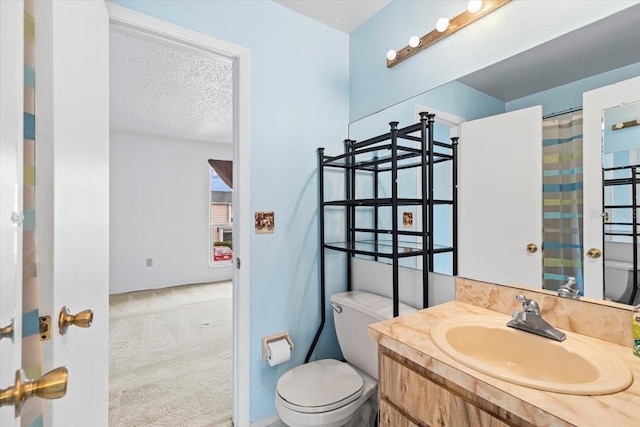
442 24
391 55
474 6
638 121
415 41
618 125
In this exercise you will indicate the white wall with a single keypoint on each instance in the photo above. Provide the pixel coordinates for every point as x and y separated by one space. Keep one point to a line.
160 209
377 277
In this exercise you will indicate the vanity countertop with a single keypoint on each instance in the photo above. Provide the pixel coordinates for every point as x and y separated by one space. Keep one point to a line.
409 336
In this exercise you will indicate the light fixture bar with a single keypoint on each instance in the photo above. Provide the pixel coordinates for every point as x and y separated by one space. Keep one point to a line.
624 125
457 23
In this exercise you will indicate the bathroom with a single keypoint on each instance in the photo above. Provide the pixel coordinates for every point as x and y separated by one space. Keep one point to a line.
305 90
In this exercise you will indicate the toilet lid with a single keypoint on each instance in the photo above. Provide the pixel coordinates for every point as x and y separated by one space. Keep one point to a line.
320 386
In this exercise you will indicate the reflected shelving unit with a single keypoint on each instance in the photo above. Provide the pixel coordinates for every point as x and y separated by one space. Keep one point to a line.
376 162
627 176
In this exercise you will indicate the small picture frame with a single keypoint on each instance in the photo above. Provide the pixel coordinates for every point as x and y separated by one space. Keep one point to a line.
265 222
407 219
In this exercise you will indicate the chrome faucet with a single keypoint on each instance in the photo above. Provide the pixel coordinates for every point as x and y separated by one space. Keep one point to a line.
530 320
567 290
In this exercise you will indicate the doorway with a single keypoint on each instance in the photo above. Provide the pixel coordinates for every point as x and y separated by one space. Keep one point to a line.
171 109
197 43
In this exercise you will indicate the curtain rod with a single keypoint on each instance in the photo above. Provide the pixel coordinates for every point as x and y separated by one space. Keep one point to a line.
559 113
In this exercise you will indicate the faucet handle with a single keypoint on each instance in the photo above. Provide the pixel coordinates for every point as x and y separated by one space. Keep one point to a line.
519 316
528 305
567 290
570 282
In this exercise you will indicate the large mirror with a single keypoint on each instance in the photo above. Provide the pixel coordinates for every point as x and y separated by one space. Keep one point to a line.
554 75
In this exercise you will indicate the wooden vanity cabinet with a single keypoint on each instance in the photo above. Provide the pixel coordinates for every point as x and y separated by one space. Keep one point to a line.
412 396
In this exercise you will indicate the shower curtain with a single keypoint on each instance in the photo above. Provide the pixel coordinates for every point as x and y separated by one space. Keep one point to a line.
31 345
562 200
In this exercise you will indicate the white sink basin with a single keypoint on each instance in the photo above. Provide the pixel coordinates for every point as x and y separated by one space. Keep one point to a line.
486 344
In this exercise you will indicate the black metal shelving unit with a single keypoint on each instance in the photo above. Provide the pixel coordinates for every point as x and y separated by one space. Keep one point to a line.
632 181
405 148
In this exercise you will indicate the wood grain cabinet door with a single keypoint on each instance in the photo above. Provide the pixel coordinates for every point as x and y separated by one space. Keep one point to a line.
424 401
390 417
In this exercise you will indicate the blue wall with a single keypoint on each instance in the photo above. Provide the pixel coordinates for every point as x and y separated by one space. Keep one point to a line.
570 95
453 98
299 101
620 148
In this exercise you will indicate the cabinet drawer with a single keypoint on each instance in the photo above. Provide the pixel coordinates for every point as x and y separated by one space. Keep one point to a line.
427 402
389 417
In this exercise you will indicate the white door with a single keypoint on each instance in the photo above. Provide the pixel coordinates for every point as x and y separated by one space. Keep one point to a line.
594 102
72 130
500 193
11 108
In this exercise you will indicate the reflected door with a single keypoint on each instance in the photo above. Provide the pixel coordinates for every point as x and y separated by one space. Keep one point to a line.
500 226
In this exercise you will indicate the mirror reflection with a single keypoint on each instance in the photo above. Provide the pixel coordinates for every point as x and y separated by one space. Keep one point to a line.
621 175
546 75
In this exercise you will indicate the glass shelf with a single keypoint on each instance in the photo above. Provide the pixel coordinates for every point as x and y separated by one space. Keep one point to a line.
384 248
383 202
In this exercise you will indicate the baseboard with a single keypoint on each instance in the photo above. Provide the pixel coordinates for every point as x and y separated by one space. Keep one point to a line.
266 421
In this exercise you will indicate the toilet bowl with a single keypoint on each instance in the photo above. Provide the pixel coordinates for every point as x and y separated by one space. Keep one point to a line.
332 393
324 393
618 279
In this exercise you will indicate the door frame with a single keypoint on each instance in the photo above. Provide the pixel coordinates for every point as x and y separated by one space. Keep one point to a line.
11 193
171 33
453 122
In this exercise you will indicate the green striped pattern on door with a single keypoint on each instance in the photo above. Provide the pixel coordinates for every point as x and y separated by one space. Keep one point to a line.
31 345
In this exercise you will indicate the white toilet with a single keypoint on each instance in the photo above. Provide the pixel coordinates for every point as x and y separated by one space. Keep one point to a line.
331 393
618 279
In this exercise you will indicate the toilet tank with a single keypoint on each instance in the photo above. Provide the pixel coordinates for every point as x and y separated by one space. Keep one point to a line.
352 312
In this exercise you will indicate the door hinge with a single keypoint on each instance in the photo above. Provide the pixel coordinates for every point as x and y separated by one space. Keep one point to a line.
238 263
45 328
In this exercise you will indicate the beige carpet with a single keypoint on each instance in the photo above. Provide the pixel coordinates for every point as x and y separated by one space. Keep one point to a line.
170 357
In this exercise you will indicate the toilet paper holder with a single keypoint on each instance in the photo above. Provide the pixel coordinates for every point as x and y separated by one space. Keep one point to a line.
271 338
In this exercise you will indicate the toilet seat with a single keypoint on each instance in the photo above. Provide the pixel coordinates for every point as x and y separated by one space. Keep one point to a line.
319 386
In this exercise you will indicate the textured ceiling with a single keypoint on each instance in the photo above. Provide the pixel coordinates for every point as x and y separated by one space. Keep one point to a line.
166 90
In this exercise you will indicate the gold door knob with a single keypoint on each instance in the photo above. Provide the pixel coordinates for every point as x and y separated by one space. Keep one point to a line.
594 253
532 248
7 331
52 385
81 320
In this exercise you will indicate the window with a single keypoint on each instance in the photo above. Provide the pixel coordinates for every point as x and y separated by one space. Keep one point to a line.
220 220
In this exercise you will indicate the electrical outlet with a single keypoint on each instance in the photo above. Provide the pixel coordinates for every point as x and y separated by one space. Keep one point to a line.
149 262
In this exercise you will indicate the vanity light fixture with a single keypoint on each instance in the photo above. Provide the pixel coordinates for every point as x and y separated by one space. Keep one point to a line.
475 6
624 125
457 23
442 24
